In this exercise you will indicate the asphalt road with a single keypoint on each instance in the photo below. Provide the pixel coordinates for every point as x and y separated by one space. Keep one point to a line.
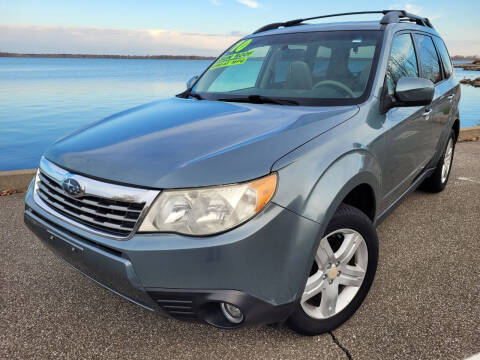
424 303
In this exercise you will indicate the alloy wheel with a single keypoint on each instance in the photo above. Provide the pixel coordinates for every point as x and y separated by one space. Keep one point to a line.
337 274
447 161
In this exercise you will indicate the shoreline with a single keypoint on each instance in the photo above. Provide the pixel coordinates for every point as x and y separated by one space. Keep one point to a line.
93 56
471 66
471 60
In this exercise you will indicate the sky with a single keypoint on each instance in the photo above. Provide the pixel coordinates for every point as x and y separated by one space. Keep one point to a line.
196 27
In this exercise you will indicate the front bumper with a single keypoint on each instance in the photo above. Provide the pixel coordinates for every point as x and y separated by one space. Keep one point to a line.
102 265
259 267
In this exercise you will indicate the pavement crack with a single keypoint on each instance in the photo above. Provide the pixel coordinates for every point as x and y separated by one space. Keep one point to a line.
343 348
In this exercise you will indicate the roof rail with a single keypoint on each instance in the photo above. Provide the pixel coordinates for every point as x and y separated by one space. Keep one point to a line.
390 16
395 16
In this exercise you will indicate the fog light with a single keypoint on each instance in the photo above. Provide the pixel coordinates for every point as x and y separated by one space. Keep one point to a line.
232 313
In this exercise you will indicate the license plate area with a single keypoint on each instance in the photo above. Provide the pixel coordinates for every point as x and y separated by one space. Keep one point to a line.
70 251
109 270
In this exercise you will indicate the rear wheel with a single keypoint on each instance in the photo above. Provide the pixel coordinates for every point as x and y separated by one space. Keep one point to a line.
341 275
439 179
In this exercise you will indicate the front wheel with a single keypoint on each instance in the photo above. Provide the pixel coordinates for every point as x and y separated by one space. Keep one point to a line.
341 275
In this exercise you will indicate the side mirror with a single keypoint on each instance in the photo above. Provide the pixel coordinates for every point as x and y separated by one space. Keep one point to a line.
192 81
413 91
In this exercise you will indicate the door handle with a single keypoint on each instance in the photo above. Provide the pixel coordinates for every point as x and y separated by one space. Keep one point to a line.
451 97
426 113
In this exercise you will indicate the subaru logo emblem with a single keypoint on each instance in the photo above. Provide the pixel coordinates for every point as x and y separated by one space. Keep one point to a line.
72 186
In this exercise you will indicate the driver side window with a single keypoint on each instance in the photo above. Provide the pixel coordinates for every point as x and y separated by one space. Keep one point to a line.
402 62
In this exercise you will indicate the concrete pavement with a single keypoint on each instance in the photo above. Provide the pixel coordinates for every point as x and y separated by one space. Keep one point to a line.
424 302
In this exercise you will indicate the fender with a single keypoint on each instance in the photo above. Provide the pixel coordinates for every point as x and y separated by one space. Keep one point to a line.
326 193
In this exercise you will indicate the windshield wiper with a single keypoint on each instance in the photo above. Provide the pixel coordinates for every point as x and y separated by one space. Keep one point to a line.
259 99
195 95
188 93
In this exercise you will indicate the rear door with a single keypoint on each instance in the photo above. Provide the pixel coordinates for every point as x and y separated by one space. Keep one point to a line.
406 130
431 69
449 93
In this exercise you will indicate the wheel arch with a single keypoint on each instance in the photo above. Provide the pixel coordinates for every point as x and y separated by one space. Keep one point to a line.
362 197
354 178
360 191
456 128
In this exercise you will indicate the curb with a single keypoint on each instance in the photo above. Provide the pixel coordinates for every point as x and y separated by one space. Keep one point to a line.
18 180
469 134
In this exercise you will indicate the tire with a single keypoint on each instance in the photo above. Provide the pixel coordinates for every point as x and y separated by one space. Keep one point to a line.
438 180
311 316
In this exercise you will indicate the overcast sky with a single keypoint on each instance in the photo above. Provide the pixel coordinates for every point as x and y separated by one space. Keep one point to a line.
194 27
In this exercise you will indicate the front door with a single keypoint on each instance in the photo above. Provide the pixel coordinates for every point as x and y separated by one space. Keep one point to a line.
406 128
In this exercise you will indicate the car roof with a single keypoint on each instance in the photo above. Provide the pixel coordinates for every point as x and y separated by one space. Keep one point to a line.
350 25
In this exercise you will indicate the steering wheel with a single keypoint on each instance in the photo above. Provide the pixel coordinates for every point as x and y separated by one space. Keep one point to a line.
337 84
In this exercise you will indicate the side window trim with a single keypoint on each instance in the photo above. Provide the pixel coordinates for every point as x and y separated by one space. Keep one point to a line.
419 60
440 61
444 68
417 54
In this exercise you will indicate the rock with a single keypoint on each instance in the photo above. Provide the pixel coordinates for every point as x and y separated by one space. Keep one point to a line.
473 82
477 138
9 192
473 66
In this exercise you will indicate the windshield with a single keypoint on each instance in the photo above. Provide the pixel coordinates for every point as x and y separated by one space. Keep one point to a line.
314 68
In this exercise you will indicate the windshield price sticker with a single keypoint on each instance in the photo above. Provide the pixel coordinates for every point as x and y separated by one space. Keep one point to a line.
232 59
240 45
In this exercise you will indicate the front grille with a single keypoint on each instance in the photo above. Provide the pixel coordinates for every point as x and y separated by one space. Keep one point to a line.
109 216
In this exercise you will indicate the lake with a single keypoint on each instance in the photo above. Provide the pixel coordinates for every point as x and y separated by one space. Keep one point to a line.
42 99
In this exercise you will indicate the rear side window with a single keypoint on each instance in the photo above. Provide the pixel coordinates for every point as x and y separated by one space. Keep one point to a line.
289 54
402 62
360 57
428 58
321 61
447 64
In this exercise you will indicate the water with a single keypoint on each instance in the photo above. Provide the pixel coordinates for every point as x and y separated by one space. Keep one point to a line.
44 99
470 100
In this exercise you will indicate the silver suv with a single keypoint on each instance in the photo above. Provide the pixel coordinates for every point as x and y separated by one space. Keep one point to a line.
253 196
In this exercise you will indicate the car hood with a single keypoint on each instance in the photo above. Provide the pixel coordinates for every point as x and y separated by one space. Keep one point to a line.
177 143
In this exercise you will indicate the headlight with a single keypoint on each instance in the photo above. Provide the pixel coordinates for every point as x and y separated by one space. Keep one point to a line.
205 211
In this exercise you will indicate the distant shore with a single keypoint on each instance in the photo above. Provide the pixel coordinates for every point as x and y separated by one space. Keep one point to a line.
150 57
465 58
92 56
